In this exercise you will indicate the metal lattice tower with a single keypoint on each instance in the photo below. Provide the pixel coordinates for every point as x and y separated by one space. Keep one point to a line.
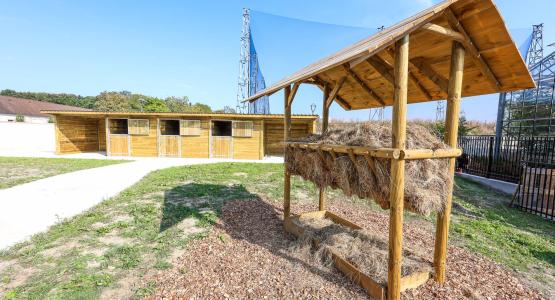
243 85
440 111
535 52
376 114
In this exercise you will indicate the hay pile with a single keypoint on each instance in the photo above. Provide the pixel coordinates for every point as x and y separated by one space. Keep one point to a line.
425 180
363 249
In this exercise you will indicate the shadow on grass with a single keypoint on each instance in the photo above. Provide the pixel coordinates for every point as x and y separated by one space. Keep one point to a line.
200 201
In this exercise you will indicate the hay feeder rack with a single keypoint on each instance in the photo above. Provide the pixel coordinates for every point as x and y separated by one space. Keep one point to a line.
448 41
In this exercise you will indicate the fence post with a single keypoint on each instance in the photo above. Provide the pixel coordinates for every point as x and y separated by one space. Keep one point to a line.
490 156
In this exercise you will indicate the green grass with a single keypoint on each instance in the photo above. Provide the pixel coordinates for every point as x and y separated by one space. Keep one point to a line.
519 240
135 232
18 170
138 231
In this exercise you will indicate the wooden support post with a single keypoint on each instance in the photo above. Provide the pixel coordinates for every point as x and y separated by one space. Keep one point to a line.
286 134
397 185
451 132
325 108
325 122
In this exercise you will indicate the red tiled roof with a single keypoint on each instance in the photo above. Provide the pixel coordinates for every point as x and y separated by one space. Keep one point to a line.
18 106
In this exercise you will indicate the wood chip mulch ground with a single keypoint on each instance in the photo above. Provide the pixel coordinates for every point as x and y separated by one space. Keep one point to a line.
248 255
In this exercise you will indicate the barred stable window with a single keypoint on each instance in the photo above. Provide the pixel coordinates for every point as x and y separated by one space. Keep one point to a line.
189 127
138 126
242 128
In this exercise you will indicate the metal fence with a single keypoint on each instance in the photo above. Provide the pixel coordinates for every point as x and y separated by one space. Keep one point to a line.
503 161
536 189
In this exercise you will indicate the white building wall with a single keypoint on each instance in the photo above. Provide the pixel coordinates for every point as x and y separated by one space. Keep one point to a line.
28 119
39 120
7 118
27 137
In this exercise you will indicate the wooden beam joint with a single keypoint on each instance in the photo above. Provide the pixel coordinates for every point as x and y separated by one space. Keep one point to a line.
445 32
362 84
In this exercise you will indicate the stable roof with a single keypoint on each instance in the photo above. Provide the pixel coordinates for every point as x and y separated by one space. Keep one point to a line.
364 71
102 114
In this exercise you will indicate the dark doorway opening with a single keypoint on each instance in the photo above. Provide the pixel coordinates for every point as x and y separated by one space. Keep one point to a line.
118 126
169 127
221 128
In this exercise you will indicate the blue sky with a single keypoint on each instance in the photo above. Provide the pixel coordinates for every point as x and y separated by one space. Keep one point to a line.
164 48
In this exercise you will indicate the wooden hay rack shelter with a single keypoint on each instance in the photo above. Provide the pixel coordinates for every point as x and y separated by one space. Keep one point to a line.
422 58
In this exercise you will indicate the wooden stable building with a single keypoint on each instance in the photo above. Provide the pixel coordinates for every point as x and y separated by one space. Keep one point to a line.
188 135
454 49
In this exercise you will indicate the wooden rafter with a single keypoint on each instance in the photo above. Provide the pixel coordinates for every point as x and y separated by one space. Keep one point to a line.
381 66
362 84
446 32
412 77
472 49
426 69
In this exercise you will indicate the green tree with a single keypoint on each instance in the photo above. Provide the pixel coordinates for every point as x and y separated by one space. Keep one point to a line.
155 105
464 127
200 108
112 101
178 104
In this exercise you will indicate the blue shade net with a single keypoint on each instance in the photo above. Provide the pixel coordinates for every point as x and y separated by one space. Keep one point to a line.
523 39
257 83
285 45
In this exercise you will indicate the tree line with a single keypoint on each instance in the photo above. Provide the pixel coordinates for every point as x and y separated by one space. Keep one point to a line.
116 101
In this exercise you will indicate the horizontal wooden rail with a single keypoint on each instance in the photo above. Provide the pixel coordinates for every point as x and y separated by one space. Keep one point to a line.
427 153
391 153
357 150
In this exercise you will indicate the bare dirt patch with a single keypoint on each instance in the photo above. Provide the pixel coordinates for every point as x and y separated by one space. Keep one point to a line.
123 289
248 255
14 275
113 238
59 250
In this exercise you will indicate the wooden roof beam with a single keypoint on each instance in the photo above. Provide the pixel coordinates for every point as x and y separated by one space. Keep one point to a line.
412 77
382 67
362 84
426 69
472 49
431 27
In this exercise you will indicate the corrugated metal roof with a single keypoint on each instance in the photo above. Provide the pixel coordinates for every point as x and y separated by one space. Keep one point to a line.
26 107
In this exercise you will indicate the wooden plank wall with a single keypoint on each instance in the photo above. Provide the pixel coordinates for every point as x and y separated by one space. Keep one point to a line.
81 134
222 147
146 145
102 135
273 134
119 145
76 134
169 145
249 147
197 146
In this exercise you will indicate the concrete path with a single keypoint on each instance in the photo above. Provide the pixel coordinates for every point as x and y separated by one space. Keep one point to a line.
31 208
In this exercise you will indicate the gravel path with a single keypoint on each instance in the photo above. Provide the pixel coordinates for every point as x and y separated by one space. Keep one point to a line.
249 255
